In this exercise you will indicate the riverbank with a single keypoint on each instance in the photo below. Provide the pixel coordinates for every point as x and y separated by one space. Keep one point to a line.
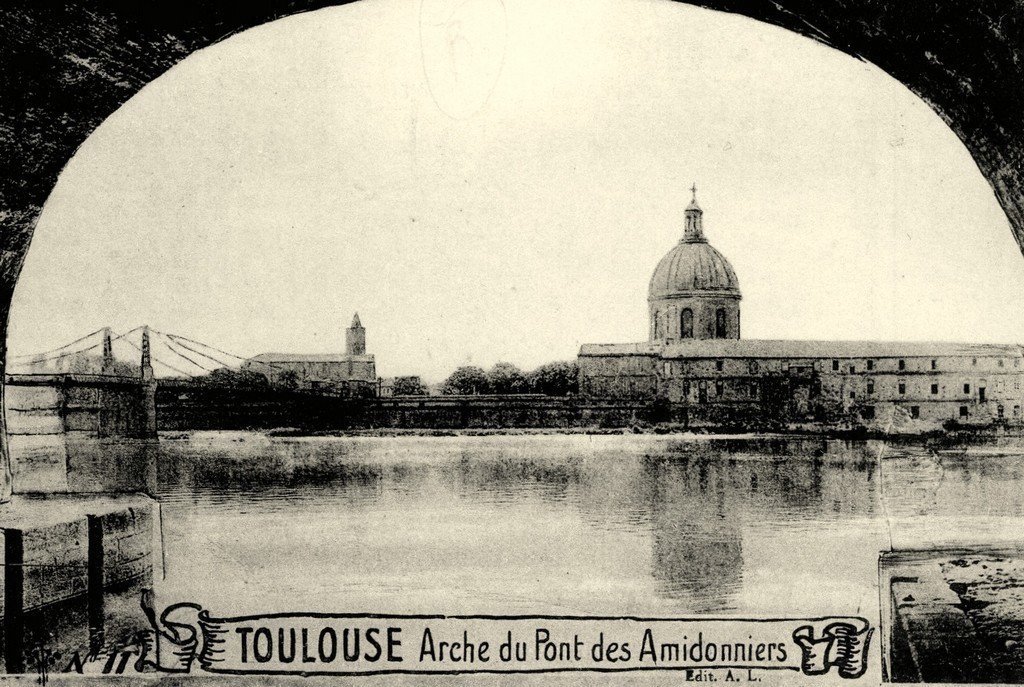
954 616
939 438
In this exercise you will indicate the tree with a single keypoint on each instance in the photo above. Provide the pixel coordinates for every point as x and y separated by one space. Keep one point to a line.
288 379
467 379
506 378
555 379
409 386
226 377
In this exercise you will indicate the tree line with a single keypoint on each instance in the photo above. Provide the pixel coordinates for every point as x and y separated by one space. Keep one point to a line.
552 379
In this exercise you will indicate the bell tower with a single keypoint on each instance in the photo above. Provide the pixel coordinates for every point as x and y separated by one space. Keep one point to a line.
355 338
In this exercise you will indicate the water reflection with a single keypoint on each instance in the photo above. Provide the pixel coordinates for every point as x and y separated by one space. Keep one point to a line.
76 463
664 517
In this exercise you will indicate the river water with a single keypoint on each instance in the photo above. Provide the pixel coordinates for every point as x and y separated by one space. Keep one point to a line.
618 524
642 525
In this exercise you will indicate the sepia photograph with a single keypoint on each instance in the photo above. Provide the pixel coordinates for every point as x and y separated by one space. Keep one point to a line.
430 342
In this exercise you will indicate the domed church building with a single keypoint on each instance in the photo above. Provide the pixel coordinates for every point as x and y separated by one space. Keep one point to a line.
694 292
695 364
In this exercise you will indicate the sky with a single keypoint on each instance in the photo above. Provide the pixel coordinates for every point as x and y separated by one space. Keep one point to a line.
486 180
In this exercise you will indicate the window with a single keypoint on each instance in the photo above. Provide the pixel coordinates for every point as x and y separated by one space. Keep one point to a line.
871 387
903 364
935 388
835 365
871 364
974 361
999 412
853 369
720 323
915 412
1001 362
963 411
935 364
967 388
853 394
868 412
903 387
720 388
719 365
1016 411
753 366
686 389
686 324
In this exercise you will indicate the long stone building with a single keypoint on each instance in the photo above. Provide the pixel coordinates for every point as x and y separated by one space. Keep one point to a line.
699 369
353 372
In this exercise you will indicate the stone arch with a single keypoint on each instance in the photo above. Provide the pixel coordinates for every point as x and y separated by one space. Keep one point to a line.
67 66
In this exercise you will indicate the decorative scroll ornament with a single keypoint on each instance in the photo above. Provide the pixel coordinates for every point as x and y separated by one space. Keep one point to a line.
841 644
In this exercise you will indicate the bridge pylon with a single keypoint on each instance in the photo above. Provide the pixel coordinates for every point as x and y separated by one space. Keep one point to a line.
146 367
108 352
148 399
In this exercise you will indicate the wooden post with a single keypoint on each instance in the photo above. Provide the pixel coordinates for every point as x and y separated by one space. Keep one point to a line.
14 601
94 582
6 477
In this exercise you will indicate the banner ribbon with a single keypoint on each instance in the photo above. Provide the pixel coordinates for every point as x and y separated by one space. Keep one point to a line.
186 638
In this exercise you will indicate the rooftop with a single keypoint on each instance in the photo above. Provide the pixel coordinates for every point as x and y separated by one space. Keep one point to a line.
783 348
269 358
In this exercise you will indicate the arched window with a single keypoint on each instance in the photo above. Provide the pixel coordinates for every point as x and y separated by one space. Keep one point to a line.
657 325
686 324
720 323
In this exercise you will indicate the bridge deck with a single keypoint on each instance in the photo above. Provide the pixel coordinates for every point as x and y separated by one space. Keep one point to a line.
71 379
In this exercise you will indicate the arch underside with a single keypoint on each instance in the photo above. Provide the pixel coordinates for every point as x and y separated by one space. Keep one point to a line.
66 67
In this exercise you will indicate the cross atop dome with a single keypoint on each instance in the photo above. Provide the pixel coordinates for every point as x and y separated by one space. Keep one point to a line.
694 230
693 201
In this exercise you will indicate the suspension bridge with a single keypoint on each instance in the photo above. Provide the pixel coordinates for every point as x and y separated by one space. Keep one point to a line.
112 385
137 352
104 384
101 356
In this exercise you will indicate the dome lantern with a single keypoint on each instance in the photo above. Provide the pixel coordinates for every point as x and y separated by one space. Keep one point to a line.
694 231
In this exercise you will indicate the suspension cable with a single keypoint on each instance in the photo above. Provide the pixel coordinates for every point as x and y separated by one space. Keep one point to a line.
180 342
172 349
153 357
61 348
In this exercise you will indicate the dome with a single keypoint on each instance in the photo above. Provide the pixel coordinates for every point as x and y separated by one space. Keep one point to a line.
693 267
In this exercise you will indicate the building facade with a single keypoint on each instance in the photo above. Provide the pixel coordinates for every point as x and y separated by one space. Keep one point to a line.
353 372
697 366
